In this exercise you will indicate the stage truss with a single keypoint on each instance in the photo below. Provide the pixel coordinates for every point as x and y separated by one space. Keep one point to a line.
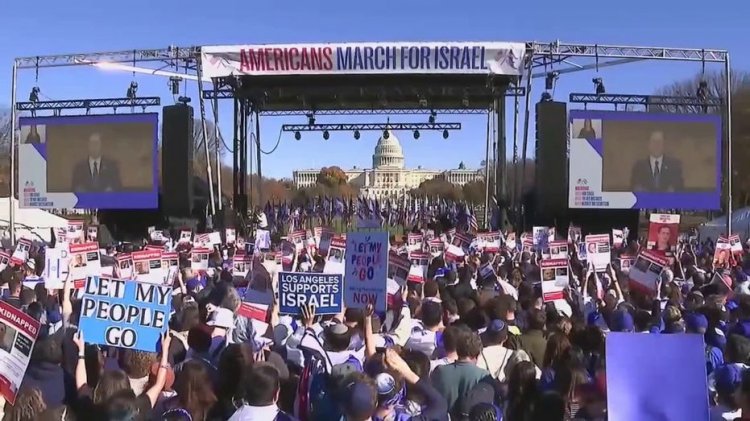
562 57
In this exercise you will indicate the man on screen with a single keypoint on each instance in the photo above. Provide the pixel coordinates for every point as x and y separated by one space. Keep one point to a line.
96 173
657 173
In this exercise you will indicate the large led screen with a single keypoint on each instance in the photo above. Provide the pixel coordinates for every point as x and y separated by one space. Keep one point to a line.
640 160
88 162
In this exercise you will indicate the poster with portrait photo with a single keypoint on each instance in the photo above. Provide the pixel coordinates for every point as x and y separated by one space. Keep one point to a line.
723 253
736 246
644 273
18 333
586 128
554 279
398 268
199 259
663 232
86 262
598 251
147 267
124 265
335 259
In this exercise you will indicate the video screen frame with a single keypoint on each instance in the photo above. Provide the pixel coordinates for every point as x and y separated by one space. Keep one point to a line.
708 199
141 199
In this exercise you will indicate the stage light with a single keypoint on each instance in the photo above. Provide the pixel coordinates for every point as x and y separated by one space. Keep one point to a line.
34 94
132 90
702 92
546 96
326 135
356 134
431 119
386 135
311 119
445 134
599 85
416 134
550 79
185 100
174 83
297 135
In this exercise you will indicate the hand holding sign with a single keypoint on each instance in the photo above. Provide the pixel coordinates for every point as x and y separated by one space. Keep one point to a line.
308 316
78 341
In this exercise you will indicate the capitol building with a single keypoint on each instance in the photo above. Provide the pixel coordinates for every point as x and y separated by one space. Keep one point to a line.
388 177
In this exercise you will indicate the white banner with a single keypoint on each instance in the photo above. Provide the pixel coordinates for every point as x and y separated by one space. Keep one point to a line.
500 58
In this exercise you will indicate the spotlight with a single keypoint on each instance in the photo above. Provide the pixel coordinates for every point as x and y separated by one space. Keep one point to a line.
546 96
702 92
386 135
311 119
445 134
550 79
431 119
356 134
326 135
599 85
174 83
416 134
132 90
34 94
297 135
184 100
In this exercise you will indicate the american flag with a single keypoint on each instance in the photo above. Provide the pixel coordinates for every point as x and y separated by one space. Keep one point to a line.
473 225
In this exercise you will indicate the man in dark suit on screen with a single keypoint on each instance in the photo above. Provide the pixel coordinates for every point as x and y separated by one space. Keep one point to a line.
657 173
96 173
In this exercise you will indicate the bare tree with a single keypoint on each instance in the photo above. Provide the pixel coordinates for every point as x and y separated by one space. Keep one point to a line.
4 130
213 140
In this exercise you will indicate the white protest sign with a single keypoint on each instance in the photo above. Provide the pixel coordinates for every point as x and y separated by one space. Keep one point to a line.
598 251
18 333
554 279
56 261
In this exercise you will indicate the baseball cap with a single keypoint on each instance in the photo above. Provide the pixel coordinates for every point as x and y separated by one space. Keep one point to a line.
695 321
221 317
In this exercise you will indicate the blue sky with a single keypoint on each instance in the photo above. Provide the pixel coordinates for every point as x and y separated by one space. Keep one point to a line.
52 27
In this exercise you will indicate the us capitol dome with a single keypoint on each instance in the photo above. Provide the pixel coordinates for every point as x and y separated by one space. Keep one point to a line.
388 177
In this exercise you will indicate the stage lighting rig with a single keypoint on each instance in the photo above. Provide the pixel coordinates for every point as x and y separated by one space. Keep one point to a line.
174 84
416 134
34 94
185 100
297 136
311 119
432 117
550 80
702 92
599 85
326 135
132 90
356 135
445 134
546 97
386 135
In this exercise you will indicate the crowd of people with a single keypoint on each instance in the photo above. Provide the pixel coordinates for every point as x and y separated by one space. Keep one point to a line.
462 345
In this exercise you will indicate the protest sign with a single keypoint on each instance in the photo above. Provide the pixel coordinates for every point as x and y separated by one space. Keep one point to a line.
288 254
490 241
128 314
634 361
510 241
185 236
574 234
540 237
598 251
92 234
558 249
366 269
663 232
21 252
74 233
418 267
147 266
170 260
18 333
436 246
324 242
322 291
124 263
56 260
458 247
398 268
241 264
626 261
554 279
644 273
735 244
335 259
618 238
722 253
199 258
201 241
231 235
86 261
414 242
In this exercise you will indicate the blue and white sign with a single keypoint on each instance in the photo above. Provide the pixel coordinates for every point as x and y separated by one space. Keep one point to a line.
322 291
366 269
124 313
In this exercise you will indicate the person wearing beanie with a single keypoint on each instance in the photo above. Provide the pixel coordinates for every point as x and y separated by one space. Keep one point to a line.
728 378
622 321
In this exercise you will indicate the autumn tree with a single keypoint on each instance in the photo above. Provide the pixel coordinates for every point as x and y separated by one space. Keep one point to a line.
473 192
332 176
716 87
438 188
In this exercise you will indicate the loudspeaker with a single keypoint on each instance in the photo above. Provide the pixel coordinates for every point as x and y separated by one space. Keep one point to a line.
177 160
551 169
